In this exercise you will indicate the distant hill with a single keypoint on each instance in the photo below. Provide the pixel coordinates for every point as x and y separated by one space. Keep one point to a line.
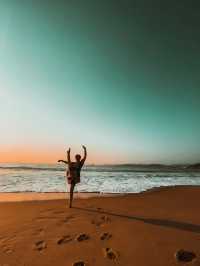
195 166
159 167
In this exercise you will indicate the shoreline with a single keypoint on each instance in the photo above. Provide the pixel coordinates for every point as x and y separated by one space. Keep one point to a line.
47 196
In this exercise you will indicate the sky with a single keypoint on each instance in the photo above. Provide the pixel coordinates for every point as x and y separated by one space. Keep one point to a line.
121 77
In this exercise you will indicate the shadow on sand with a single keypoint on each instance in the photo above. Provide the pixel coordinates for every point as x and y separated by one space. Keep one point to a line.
160 222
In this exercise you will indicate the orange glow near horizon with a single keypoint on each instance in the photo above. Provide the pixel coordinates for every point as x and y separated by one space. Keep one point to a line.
32 155
22 155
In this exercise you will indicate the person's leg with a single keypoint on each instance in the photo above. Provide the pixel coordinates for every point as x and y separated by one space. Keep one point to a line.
71 194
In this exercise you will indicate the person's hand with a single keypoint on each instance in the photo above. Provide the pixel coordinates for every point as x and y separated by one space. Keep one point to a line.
68 151
83 147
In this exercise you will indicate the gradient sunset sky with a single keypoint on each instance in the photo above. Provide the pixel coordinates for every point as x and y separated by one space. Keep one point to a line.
121 77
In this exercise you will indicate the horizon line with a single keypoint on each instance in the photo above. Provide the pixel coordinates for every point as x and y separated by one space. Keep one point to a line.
109 164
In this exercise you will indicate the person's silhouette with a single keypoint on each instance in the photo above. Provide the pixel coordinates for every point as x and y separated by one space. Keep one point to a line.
74 170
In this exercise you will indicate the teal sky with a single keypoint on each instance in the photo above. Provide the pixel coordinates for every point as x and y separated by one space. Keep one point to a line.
122 79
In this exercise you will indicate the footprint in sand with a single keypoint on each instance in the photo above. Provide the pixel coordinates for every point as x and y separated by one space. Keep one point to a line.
64 240
185 256
79 263
7 250
110 253
105 236
82 237
40 245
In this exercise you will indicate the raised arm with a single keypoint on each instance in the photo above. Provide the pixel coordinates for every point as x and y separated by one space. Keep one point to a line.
68 156
62 161
85 154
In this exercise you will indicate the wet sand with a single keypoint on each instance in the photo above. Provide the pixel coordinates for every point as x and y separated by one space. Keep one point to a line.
143 229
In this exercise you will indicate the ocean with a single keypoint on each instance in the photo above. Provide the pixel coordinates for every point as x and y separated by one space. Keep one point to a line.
102 178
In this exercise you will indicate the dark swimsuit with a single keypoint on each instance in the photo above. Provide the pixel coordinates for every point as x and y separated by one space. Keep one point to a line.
73 172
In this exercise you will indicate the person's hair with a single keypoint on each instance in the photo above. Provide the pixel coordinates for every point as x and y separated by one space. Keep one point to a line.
78 157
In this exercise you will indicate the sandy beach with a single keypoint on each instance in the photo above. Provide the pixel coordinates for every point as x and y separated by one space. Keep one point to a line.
137 229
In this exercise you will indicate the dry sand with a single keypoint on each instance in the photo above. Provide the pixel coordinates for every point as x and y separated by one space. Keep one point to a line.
140 229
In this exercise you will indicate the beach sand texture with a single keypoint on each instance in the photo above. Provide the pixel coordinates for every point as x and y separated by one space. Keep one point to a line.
145 229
